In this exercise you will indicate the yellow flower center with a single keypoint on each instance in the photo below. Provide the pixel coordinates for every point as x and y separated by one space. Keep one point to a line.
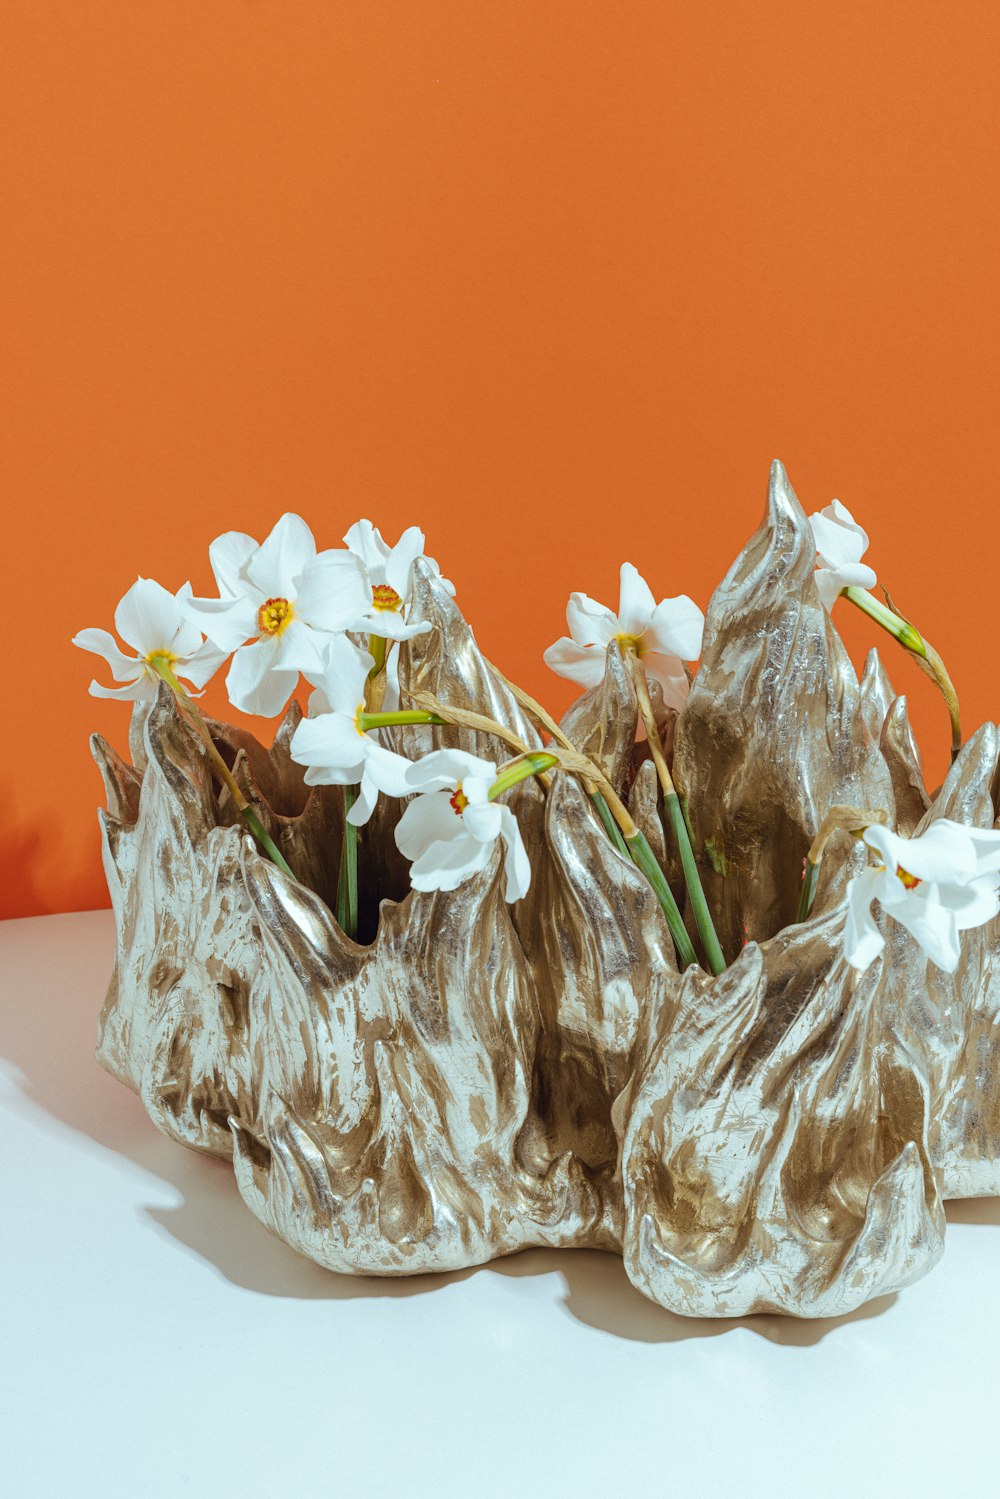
274 616
156 659
385 597
459 801
629 643
909 880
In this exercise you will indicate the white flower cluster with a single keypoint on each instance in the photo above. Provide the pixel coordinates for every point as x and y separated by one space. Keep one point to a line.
286 610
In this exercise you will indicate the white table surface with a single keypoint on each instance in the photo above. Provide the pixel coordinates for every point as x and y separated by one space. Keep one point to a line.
156 1340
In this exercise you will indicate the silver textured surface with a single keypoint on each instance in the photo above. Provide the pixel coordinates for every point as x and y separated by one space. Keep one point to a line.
476 1078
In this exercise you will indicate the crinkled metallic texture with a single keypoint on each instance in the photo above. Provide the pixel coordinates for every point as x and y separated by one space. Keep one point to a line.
773 733
775 1141
474 1078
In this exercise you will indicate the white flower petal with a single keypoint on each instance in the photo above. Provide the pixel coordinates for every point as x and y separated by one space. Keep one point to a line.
123 668
862 939
332 592
476 786
300 649
187 640
427 821
364 802
935 928
228 556
147 617
399 566
445 866
676 629
986 843
840 545
330 742
636 603
279 561
202 664
343 675
139 690
974 904
228 623
253 684
830 584
578 663
943 854
589 622
670 673
517 865
840 541
447 768
388 623
387 770
483 820
365 542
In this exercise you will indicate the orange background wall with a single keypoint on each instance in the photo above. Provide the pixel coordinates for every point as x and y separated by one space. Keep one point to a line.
556 280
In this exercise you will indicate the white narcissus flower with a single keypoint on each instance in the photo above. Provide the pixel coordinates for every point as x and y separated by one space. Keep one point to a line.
334 746
937 885
840 545
449 831
389 578
154 623
279 604
663 636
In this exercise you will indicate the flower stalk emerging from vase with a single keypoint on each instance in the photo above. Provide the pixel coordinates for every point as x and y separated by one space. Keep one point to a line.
164 670
287 610
840 573
678 824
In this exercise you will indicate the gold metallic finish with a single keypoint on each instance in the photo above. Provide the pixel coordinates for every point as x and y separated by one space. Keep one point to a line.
473 1078
773 732
775 1141
602 721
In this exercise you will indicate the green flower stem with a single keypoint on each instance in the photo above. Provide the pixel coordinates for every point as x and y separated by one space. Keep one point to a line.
368 721
807 894
678 823
612 829
614 815
692 879
534 763
911 640
347 880
377 645
643 857
839 819
163 669
543 717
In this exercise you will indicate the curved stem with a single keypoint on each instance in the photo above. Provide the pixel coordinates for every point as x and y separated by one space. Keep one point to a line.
910 638
678 823
533 763
645 860
610 807
543 718
253 822
368 721
612 829
840 818
810 879
377 645
347 877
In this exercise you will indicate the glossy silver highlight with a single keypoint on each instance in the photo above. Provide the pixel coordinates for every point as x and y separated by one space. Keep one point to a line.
476 1078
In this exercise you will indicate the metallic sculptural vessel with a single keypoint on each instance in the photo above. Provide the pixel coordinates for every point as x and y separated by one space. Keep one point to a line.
474 1078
